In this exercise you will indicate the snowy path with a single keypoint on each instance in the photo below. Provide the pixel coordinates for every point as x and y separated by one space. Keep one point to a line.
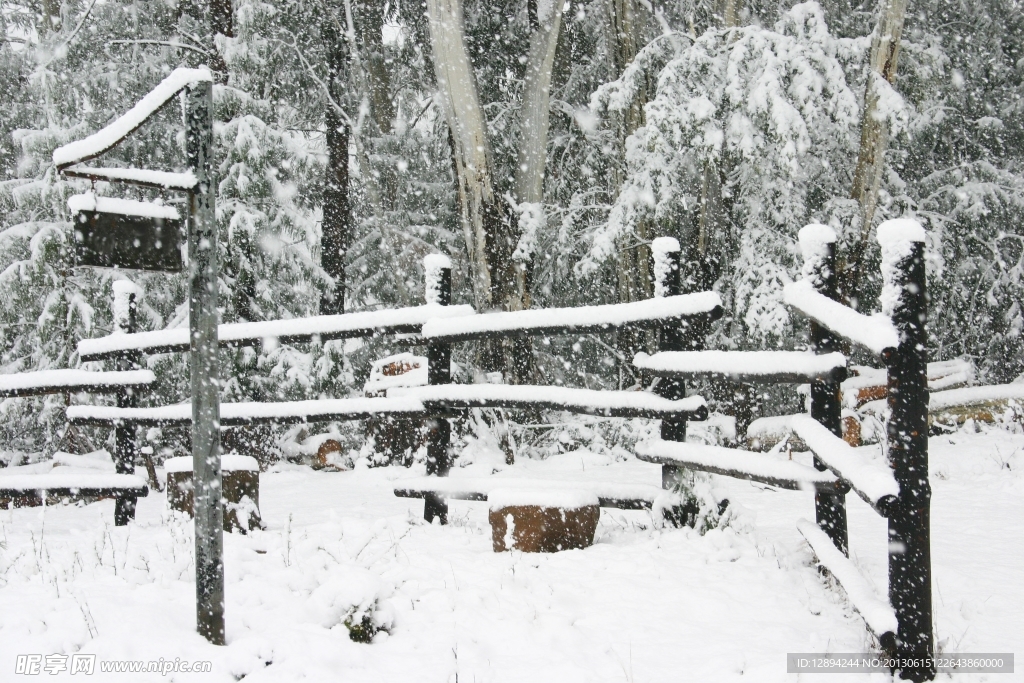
641 605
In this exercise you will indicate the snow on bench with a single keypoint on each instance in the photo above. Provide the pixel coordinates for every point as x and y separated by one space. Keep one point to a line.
609 494
746 366
71 484
295 330
877 612
71 381
234 414
730 462
107 138
875 333
872 480
941 400
145 177
586 401
580 320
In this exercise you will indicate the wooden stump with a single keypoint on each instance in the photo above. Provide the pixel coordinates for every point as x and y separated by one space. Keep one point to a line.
395 439
542 521
240 483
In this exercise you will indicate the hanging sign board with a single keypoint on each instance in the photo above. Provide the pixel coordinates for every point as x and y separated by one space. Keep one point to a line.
121 233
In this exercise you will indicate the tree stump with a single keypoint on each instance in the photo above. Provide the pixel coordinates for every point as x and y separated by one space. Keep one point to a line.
395 439
240 483
542 521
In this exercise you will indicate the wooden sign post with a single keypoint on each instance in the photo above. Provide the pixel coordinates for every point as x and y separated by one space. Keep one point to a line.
131 234
202 269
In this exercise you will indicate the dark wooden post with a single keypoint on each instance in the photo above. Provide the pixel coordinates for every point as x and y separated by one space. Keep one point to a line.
125 307
910 579
202 252
675 336
819 247
438 276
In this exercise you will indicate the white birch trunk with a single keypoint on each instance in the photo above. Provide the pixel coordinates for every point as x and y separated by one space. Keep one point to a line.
457 95
533 143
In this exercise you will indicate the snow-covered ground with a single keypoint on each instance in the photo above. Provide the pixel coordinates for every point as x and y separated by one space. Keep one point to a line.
642 604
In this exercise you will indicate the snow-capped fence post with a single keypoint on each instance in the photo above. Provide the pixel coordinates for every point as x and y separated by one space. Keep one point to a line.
818 243
438 290
904 299
125 303
202 252
674 337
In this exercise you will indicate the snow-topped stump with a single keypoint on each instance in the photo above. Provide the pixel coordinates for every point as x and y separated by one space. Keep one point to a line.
240 482
542 520
396 438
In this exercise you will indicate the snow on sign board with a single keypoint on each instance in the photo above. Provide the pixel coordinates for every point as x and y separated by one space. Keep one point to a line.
121 233
107 138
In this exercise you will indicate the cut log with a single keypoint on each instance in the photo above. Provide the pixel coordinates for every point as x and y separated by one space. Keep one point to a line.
542 520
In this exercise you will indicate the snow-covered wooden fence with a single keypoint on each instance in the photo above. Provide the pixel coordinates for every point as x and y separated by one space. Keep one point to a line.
897 489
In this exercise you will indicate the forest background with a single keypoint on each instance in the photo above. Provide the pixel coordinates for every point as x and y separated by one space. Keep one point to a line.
542 147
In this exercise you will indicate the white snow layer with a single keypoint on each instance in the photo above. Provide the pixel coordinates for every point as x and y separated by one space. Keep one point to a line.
181 413
609 316
414 373
900 230
876 332
97 460
567 398
455 487
123 207
102 140
145 176
897 238
58 479
662 249
323 325
562 498
741 363
123 292
814 244
725 461
229 462
877 612
972 395
56 380
433 264
871 478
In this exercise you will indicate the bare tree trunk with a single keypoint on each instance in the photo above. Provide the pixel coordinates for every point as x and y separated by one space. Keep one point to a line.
632 265
874 137
369 21
336 233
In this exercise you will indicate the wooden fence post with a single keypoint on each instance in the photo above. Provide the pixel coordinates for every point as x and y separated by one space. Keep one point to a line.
125 307
202 253
818 243
438 291
904 299
675 336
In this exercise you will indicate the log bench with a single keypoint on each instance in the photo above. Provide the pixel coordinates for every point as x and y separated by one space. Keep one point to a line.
29 490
